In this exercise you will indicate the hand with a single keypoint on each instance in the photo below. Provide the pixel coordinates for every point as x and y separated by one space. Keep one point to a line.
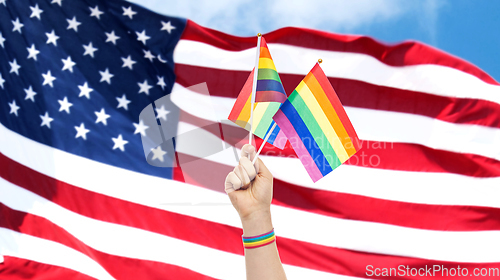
250 187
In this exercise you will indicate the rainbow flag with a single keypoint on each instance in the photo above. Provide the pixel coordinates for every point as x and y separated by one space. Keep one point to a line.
269 96
317 126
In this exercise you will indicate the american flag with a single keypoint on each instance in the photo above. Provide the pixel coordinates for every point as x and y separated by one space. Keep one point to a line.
79 200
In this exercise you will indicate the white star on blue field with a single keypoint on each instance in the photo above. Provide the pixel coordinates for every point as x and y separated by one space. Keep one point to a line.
75 75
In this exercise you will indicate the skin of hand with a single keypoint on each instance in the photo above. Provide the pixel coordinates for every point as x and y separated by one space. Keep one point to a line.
250 187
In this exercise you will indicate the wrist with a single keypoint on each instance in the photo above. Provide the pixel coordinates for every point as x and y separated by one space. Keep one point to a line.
257 223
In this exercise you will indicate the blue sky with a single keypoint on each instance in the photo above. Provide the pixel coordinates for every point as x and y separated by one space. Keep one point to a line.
469 29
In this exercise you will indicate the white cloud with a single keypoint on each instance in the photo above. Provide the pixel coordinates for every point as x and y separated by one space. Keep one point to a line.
428 17
248 17
337 15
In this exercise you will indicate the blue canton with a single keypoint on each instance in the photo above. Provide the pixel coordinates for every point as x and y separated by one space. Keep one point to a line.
75 75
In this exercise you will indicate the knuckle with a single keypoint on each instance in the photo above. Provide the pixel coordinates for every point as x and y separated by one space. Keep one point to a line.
236 170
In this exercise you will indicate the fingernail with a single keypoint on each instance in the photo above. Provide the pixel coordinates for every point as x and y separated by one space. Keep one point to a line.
248 148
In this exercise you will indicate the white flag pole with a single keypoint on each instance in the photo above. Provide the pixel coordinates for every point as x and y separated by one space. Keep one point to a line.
254 88
265 140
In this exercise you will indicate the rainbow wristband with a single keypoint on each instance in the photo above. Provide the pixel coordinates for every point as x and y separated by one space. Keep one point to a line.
259 240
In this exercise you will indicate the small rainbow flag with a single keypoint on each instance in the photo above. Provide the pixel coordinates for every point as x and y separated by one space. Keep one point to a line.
269 96
317 125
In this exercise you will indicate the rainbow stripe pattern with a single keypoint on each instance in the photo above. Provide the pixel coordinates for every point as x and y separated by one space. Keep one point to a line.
317 126
269 96
259 240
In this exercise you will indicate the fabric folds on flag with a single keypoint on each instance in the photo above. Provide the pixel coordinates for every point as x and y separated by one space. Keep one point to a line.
317 126
268 97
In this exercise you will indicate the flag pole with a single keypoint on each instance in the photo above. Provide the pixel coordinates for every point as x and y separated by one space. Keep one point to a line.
265 140
254 88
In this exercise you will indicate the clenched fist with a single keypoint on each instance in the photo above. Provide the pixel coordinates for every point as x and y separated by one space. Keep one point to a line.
249 186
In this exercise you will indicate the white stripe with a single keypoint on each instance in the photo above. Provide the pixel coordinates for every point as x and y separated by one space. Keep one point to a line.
418 187
119 240
318 229
195 103
428 78
414 187
404 186
386 126
362 236
378 125
23 246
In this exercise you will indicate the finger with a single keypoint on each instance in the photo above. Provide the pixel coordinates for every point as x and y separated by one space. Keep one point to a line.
232 183
263 171
242 175
249 152
249 168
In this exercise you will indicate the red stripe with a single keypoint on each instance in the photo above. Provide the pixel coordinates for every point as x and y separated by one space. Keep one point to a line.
358 94
118 267
387 155
228 238
113 210
21 269
362 208
357 207
415 157
354 263
449 109
403 54
328 259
